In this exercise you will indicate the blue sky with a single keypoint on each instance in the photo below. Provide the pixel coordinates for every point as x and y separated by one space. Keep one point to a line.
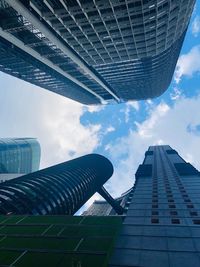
66 129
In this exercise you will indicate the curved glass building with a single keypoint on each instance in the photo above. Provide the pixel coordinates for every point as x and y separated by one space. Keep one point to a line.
61 189
19 155
94 51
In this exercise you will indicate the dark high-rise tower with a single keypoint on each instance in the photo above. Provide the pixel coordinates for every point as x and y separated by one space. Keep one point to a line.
162 224
61 189
94 51
19 155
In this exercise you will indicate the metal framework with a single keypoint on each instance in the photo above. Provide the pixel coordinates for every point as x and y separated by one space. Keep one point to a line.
61 189
108 208
95 51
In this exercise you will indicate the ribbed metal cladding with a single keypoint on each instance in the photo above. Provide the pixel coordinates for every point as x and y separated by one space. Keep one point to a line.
61 189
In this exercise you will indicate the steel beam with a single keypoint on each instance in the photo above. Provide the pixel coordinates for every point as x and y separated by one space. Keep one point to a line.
12 39
21 9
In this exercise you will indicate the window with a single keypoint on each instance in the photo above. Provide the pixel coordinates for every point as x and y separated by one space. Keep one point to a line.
183 191
155 200
154 220
187 200
173 212
169 191
154 212
154 206
196 221
175 221
193 213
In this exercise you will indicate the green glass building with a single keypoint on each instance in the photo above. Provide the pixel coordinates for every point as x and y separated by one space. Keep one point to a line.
19 155
62 241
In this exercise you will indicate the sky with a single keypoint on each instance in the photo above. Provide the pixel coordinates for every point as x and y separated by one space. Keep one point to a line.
120 132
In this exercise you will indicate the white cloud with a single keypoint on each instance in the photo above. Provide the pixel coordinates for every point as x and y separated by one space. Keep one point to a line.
145 129
126 113
94 108
175 94
134 104
149 101
129 105
164 125
196 26
188 64
110 129
107 147
26 110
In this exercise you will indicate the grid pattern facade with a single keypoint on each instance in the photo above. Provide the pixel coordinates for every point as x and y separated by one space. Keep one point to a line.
103 208
162 223
103 50
61 189
99 208
57 240
19 155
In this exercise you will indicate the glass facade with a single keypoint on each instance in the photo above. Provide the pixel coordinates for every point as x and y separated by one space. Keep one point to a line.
61 241
94 51
19 155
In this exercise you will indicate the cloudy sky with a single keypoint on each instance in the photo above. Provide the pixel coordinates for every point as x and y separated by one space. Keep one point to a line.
66 129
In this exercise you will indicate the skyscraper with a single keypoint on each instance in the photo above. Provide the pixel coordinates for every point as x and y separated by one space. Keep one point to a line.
61 189
94 51
161 227
103 208
19 155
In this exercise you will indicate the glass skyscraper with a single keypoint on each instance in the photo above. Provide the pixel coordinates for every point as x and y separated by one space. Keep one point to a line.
19 155
94 51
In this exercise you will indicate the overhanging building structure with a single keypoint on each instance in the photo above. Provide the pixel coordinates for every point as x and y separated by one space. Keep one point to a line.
94 51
